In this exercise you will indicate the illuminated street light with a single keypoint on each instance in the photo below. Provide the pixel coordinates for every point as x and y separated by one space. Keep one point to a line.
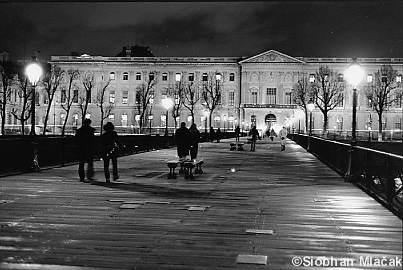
354 75
310 106
167 103
34 72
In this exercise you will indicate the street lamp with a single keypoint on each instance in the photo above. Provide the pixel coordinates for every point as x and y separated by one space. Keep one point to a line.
354 76
311 106
150 119
34 71
225 120
167 103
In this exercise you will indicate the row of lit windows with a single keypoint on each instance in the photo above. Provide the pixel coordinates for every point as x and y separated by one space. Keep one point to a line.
164 77
370 77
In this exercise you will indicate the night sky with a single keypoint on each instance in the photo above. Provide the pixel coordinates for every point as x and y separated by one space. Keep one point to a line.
297 28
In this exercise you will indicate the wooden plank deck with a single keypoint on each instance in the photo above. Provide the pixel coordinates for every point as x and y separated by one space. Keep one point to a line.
49 220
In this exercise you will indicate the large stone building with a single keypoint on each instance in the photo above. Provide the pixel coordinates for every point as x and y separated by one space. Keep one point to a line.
257 90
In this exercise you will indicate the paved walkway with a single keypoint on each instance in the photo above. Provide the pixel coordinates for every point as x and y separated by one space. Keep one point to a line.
267 209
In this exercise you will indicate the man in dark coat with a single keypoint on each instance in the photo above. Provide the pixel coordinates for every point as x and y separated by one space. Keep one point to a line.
85 149
182 136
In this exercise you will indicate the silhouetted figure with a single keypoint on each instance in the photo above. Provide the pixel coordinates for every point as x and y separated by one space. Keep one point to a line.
237 131
212 134
254 136
84 140
272 134
283 135
194 140
218 135
182 140
111 147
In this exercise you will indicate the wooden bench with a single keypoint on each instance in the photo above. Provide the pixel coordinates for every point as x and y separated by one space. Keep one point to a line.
240 146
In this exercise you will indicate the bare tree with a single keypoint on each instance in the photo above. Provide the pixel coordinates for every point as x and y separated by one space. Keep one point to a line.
5 93
175 93
383 91
51 82
106 107
212 93
144 98
21 108
69 94
84 98
188 94
328 93
302 95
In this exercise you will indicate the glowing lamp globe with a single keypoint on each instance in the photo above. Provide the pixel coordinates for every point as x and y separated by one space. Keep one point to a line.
34 72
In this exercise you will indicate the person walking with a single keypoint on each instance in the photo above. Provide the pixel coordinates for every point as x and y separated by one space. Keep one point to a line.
194 140
212 134
272 134
237 131
84 140
283 135
218 135
111 147
182 136
254 135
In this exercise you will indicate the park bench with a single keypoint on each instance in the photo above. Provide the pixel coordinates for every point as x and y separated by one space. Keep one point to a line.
233 146
240 146
186 166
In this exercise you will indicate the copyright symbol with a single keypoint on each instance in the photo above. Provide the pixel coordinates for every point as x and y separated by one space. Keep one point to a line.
296 261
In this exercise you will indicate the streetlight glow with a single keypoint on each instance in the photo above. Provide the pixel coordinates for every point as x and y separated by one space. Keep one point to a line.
34 72
355 73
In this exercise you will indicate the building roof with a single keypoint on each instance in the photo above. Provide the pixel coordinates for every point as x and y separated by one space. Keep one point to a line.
135 51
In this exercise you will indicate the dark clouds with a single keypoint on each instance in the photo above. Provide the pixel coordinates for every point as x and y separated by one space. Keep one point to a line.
297 28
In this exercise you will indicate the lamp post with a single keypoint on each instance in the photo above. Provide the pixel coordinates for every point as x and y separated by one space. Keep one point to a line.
311 106
167 103
206 113
150 119
225 120
354 76
33 71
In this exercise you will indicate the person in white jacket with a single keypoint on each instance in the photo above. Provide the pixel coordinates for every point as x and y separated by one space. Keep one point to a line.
283 135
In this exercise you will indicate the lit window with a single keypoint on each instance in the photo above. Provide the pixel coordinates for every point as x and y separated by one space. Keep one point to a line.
124 120
218 77
112 97
177 77
231 77
369 78
75 119
165 76
125 76
231 101
312 78
152 97
111 118
125 95
399 78
112 76
191 77
138 76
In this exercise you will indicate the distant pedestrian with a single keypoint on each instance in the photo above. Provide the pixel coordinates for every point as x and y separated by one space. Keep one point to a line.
283 135
194 141
212 134
84 140
182 136
237 131
218 135
272 134
111 147
254 133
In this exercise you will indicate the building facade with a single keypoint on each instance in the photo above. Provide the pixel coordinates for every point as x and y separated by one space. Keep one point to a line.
256 90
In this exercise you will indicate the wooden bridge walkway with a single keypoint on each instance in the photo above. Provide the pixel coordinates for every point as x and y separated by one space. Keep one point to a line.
268 209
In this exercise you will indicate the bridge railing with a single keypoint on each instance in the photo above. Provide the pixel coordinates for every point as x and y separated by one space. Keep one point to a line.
378 173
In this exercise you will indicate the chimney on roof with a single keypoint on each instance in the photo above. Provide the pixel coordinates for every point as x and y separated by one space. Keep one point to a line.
128 50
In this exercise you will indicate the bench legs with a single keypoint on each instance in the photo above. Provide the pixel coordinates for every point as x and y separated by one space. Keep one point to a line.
172 174
198 169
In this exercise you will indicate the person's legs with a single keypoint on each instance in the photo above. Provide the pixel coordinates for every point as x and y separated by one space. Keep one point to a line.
115 168
81 173
106 169
90 170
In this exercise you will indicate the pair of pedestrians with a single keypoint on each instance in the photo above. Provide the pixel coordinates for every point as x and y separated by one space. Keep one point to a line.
187 141
255 135
110 147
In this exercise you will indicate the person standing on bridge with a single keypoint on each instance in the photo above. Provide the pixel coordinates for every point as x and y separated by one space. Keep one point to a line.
283 135
182 136
194 141
84 140
254 136
111 146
